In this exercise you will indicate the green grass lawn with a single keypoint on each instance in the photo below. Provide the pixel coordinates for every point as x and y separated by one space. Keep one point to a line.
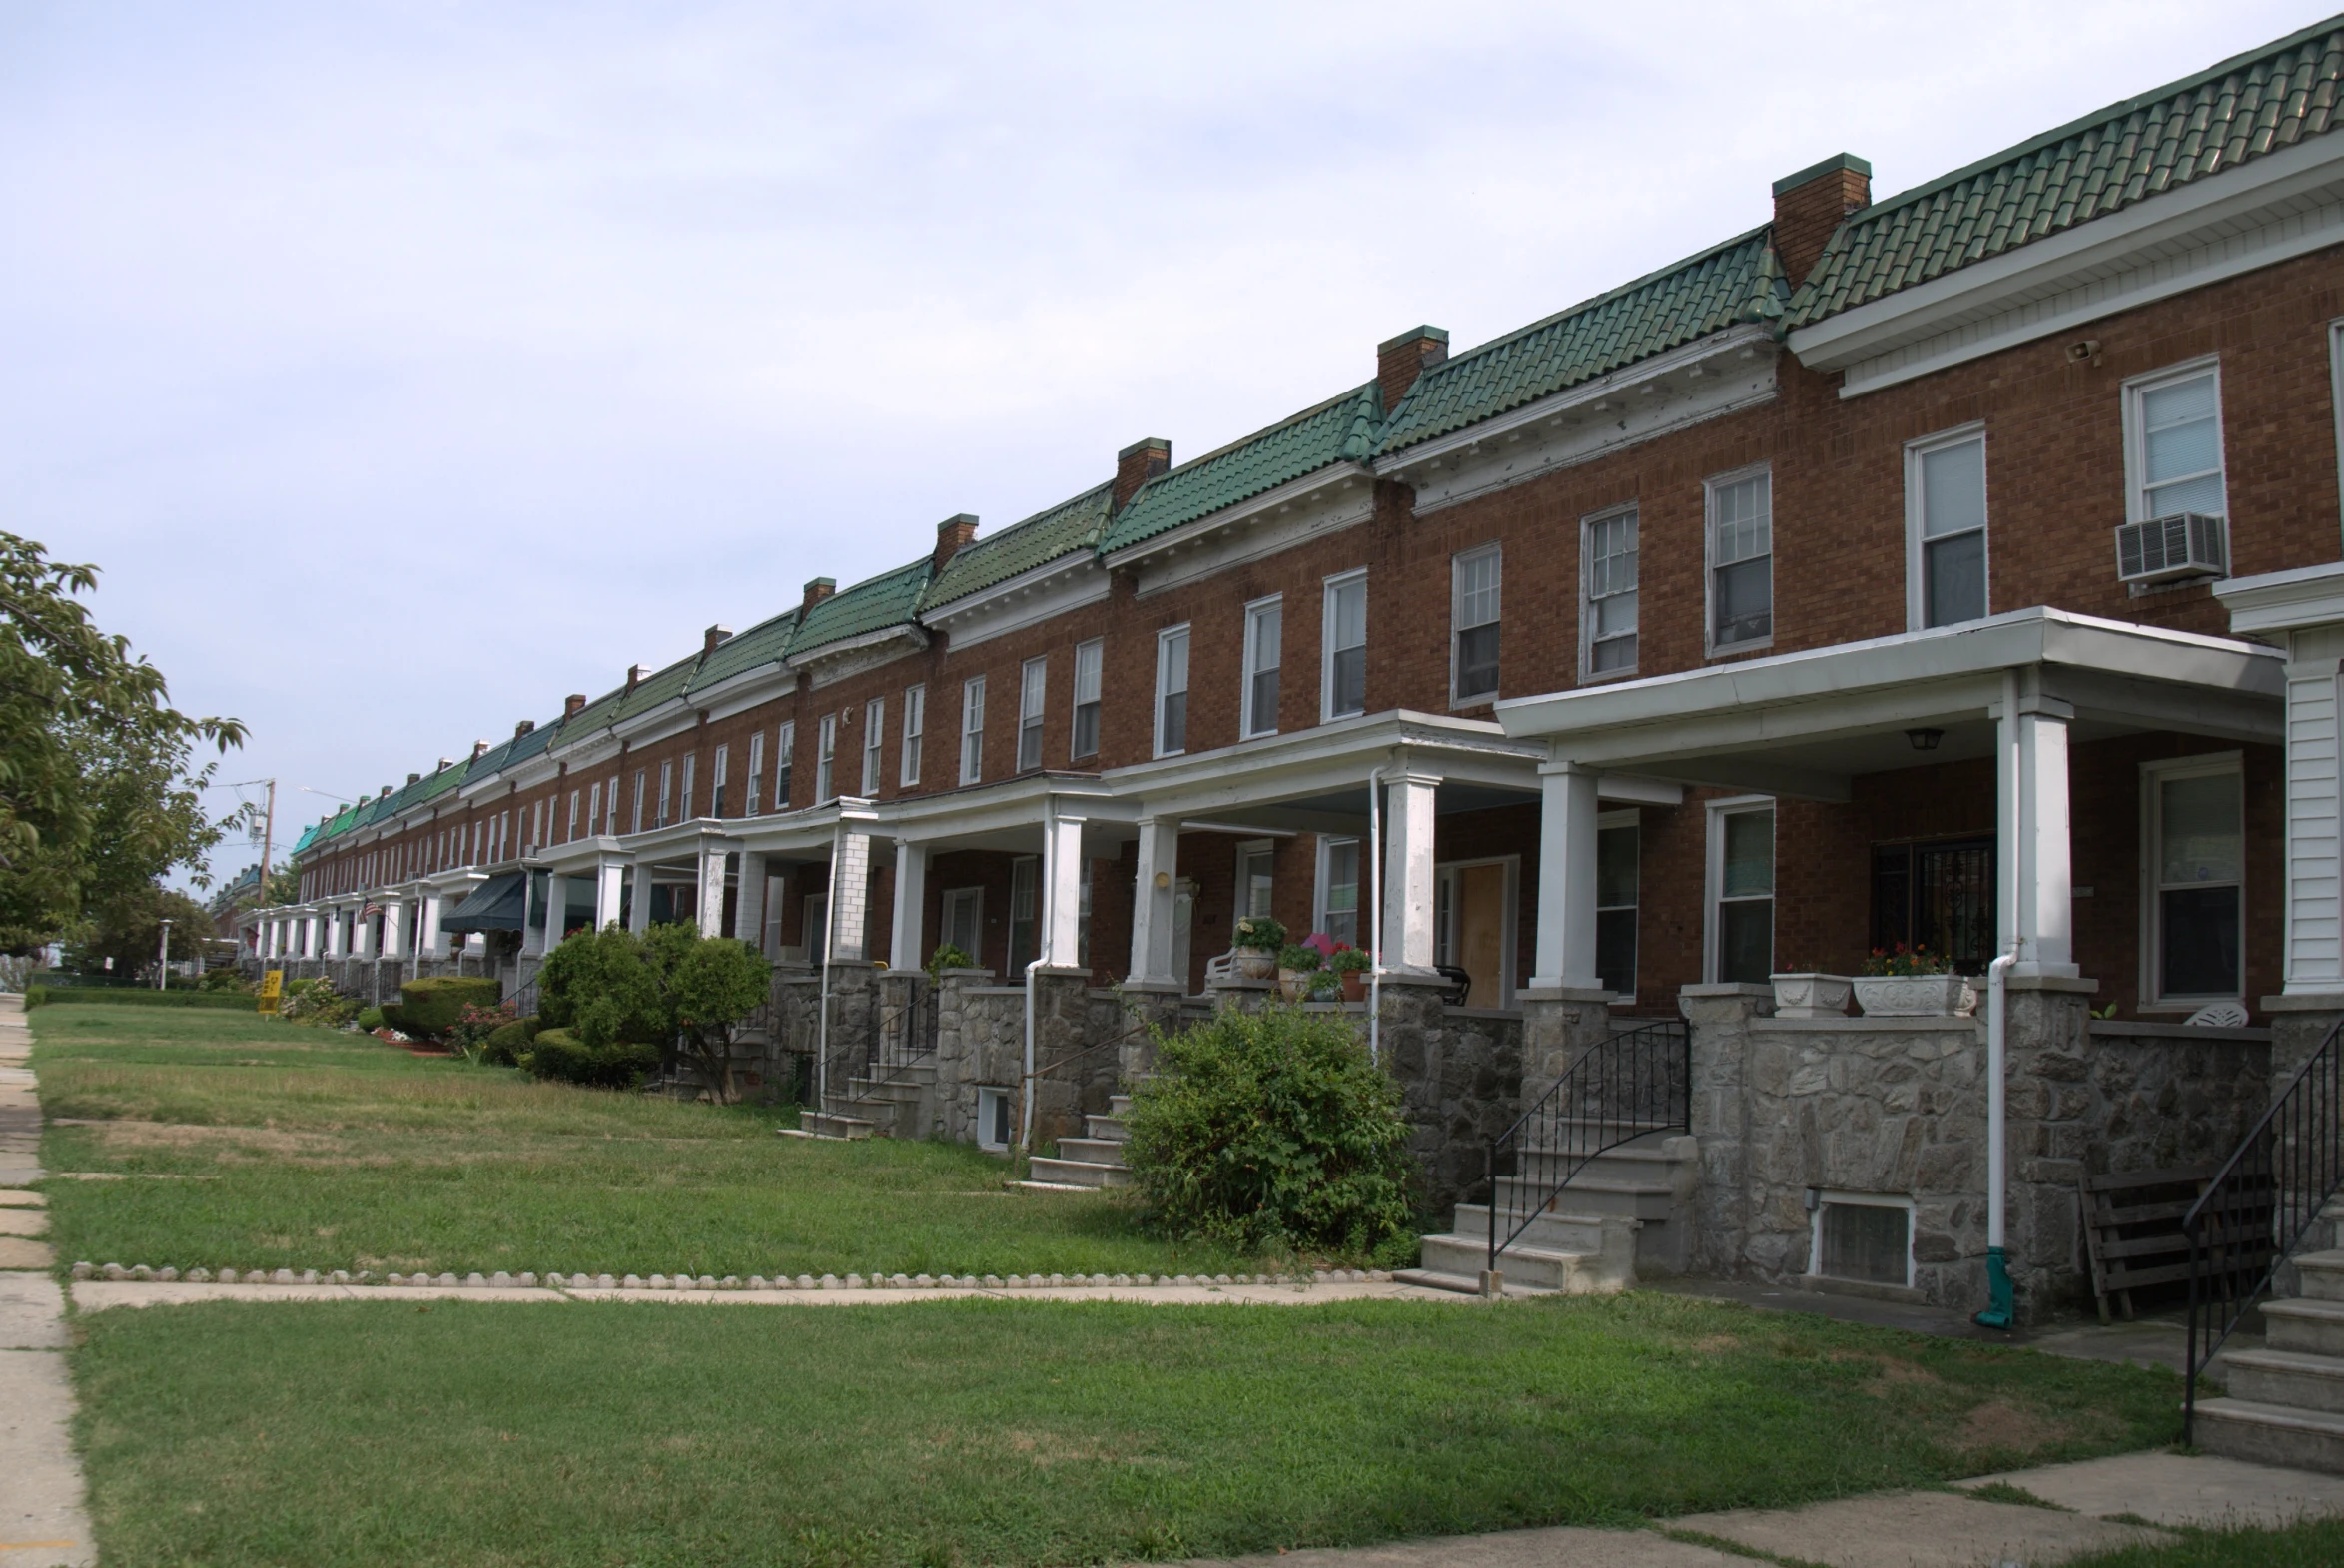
2317 1544
1018 1433
298 1148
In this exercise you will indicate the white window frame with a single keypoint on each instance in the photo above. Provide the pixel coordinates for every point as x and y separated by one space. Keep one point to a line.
874 745
974 898
1245 853
1164 641
1326 648
1588 673
1628 817
717 780
2136 391
973 729
683 802
642 788
571 831
2336 401
1457 627
993 1105
1032 705
1825 1197
1092 680
1275 604
826 760
1445 877
1710 488
594 810
1713 875
666 793
750 798
2151 940
1328 843
1916 543
785 756
914 730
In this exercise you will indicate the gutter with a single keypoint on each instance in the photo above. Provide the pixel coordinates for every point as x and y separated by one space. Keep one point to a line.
2001 1297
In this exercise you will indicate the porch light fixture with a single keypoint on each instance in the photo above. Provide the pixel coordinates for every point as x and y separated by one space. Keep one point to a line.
1925 739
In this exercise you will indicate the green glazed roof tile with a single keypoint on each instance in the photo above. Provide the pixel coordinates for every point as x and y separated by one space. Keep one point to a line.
1064 529
2245 108
767 643
1735 282
1341 430
661 685
890 599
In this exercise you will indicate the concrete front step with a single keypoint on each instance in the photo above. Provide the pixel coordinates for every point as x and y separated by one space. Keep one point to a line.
1106 1127
1575 1232
823 1124
1531 1267
2286 1378
2313 1327
2323 1275
1077 1172
1094 1150
1119 1105
1589 1193
2272 1433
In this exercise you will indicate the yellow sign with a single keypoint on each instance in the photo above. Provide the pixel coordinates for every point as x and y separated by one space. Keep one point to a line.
271 987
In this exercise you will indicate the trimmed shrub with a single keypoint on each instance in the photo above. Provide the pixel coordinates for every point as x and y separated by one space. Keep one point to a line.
509 1043
1273 1131
559 1054
371 1019
395 1016
225 979
433 1005
226 1002
597 985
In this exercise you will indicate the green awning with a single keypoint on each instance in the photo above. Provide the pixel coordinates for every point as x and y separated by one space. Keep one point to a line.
496 905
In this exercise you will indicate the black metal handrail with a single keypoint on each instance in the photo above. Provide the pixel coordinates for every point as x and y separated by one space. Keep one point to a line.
1636 1081
2260 1205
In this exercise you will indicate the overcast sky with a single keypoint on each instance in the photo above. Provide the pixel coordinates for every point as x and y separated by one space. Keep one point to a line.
404 366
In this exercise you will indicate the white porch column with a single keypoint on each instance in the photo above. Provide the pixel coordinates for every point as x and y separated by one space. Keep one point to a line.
1565 957
530 943
1152 903
609 891
557 910
429 943
334 942
849 900
708 896
276 938
363 937
2035 822
309 936
911 906
639 911
748 909
395 928
1062 891
1407 873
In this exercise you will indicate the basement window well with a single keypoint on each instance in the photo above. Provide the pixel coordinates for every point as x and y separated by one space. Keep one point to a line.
1863 1239
995 1130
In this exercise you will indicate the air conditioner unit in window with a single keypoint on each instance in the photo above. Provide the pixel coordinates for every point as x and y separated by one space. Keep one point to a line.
2169 549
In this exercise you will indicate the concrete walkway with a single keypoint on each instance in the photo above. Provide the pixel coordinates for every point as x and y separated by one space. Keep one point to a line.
98 1296
43 1522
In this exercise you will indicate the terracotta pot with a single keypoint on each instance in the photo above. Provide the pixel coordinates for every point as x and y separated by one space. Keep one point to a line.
1354 985
1915 996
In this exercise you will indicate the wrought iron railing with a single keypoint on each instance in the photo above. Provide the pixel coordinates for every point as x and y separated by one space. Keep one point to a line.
2260 1205
1636 1081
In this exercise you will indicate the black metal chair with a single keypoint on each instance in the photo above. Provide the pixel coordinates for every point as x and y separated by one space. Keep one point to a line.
1459 988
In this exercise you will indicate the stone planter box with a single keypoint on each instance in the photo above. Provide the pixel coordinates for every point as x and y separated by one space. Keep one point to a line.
1806 994
1254 964
1915 996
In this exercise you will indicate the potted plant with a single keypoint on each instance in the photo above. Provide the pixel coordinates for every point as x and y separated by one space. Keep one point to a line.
1295 965
1806 993
1913 981
1257 943
1322 985
1352 964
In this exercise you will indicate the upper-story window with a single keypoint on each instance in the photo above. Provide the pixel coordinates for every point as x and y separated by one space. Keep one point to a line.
2174 440
972 729
1741 561
641 774
666 793
1089 657
914 730
717 780
785 750
826 760
1344 636
756 775
1944 523
1033 691
571 827
1608 622
1265 621
594 809
874 734
1473 624
1172 691
683 811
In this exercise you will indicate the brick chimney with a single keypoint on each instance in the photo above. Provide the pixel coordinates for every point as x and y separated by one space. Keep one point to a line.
573 704
1399 360
634 677
952 536
480 748
1135 464
816 591
713 638
524 727
415 778
1809 206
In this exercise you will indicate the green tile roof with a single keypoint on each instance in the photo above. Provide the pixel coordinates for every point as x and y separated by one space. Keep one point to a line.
890 599
660 686
1064 529
1341 430
767 643
2242 109
1734 283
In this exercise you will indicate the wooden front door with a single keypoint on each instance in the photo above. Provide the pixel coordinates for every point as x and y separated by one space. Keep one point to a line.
1481 931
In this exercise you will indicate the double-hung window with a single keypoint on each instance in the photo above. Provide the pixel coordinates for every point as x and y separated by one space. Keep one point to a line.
785 746
914 729
1338 888
1033 690
2173 429
2195 817
571 827
666 793
1089 656
826 760
1944 523
1343 681
1264 639
684 804
594 809
1473 624
1618 847
640 775
1025 911
750 785
717 781
973 729
1608 622
1741 561
1172 691
874 734
1741 891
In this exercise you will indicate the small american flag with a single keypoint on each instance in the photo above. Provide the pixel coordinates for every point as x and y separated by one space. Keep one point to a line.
371 908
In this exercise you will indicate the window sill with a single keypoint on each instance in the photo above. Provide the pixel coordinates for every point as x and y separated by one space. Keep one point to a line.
1260 734
1741 649
1607 678
1462 704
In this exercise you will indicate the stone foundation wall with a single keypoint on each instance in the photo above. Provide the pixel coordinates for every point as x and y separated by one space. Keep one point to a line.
1460 1076
979 1043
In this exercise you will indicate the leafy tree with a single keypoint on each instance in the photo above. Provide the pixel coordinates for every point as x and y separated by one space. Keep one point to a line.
596 986
707 986
96 793
127 927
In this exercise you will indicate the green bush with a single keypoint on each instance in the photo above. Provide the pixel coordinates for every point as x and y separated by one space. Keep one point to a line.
1300 959
559 1054
946 957
34 995
225 1001
223 978
1273 1131
431 1006
371 1019
508 1044
1260 934
395 1016
597 986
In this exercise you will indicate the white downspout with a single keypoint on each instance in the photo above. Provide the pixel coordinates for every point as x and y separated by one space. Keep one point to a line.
1049 853
829 945
1375 913
2001 1300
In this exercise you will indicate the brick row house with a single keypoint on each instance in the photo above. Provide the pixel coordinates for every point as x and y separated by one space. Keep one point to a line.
1953 569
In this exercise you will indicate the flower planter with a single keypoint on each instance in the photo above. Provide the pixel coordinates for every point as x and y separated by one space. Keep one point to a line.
1295 984
1254 964
1807 995
1915 996
1354 985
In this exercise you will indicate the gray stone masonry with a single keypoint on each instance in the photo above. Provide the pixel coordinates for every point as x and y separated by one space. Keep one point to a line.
1240 996
1460 1076
1558 1026
1080 1049
979 1043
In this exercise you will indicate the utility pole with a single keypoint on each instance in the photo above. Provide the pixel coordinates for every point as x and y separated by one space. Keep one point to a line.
267 838
163 958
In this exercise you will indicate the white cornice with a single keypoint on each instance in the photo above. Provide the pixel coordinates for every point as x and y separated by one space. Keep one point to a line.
1032 597
2285 601
836 661
2257 214
813 658
1341 477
